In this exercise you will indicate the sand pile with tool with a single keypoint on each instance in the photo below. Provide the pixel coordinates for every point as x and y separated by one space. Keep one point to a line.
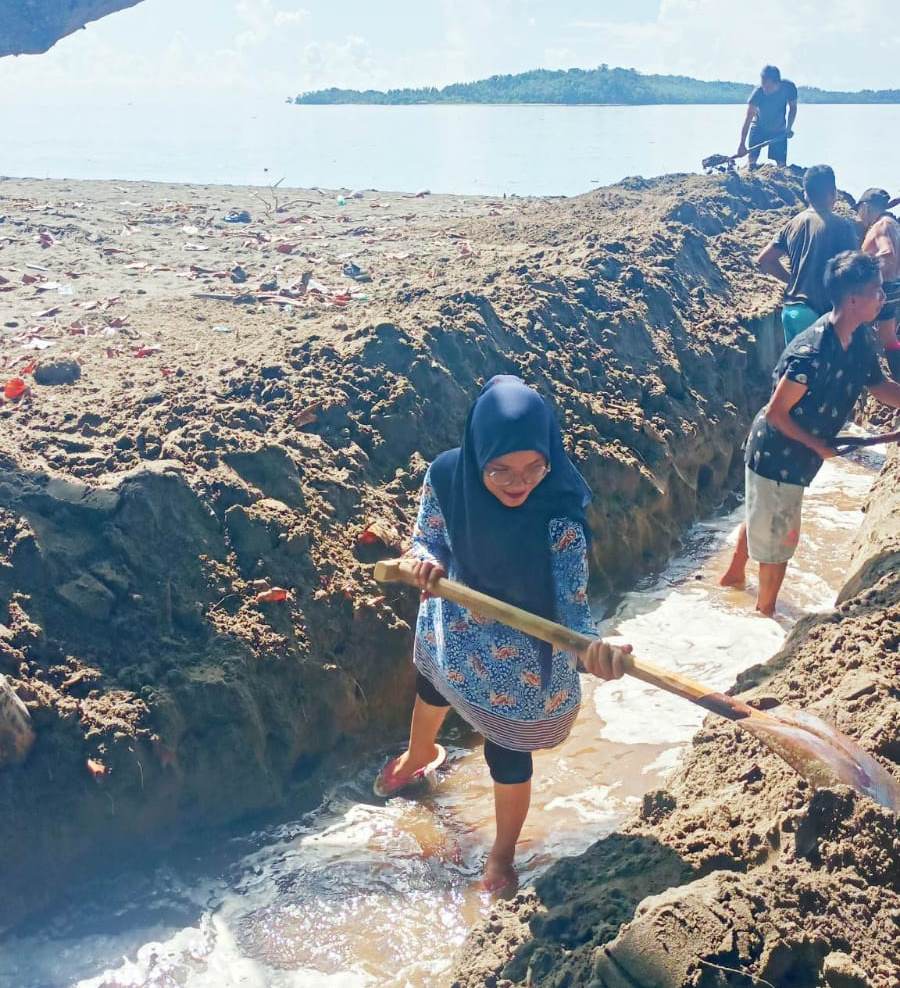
231 396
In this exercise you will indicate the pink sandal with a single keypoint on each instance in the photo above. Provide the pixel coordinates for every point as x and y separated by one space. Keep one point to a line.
388 784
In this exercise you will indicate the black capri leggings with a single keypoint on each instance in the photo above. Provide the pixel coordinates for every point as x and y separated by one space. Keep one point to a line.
507 767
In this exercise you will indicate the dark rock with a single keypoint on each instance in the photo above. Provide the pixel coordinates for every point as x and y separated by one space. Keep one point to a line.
57 372
88 596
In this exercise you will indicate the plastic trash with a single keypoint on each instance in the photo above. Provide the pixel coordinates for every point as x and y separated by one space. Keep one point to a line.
15 388
238 274
237 216
341 201
355 272
272 596
96 768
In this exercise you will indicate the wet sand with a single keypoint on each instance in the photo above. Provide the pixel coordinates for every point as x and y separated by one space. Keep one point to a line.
352 893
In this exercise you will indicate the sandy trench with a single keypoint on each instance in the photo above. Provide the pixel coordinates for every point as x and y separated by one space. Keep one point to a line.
185 448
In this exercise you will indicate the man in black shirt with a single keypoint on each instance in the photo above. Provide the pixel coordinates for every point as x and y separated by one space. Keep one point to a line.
818 380
809 240
765 117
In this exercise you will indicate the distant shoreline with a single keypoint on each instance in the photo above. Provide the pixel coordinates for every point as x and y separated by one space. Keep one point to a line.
601 86
576 106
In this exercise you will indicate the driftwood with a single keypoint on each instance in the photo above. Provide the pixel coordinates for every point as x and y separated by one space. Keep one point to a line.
16 732
249 298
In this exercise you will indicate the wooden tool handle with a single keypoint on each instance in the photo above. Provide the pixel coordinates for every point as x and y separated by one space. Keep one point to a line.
844 444
401 571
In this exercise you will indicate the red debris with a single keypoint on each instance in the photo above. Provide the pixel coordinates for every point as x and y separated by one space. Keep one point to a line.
15 388
96 768
274 595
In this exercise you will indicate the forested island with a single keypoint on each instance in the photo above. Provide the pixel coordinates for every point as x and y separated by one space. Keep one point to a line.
583 86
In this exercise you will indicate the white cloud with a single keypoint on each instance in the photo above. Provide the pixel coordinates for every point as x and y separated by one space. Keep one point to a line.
267 49
263 21
349 64
834 44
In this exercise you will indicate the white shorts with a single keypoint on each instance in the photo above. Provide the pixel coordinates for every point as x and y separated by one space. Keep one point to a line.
773 518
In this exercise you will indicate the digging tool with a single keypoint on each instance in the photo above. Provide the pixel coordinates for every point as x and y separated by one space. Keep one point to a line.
727 161
812 747
844 444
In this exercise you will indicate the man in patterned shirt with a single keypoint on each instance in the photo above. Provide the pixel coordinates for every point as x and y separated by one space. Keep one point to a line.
817 381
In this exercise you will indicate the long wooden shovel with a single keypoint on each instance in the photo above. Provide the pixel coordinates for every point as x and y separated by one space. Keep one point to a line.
812 747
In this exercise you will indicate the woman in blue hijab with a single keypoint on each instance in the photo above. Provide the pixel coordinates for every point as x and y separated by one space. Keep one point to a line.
503 513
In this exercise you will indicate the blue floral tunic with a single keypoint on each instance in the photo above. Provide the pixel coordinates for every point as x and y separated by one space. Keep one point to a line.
491 673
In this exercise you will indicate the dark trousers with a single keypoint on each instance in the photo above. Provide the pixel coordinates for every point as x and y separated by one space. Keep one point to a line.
776 151
506 767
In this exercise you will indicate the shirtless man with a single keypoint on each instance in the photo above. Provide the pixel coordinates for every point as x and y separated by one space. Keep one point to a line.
882 241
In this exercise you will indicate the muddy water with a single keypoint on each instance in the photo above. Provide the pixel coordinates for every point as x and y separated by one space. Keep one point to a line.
356 892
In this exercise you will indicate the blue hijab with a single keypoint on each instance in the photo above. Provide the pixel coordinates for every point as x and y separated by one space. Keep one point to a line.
501 551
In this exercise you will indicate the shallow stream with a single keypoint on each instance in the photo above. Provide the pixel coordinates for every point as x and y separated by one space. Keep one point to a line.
356 892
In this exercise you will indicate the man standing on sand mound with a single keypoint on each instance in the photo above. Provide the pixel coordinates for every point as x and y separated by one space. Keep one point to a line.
817 381
765 118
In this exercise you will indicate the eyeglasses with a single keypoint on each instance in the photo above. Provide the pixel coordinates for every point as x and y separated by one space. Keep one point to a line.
504 477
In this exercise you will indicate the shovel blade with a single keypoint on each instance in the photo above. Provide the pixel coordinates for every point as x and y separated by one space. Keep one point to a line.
716 160
823 755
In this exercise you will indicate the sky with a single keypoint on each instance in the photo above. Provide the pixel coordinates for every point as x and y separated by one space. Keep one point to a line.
245 50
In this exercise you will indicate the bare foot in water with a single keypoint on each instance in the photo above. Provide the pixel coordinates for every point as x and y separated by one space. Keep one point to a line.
734 576
409 762
499 874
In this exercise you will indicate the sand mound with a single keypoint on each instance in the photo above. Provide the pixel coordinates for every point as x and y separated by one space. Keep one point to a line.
232 436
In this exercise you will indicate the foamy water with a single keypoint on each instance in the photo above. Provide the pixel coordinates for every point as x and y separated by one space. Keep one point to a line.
359 892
